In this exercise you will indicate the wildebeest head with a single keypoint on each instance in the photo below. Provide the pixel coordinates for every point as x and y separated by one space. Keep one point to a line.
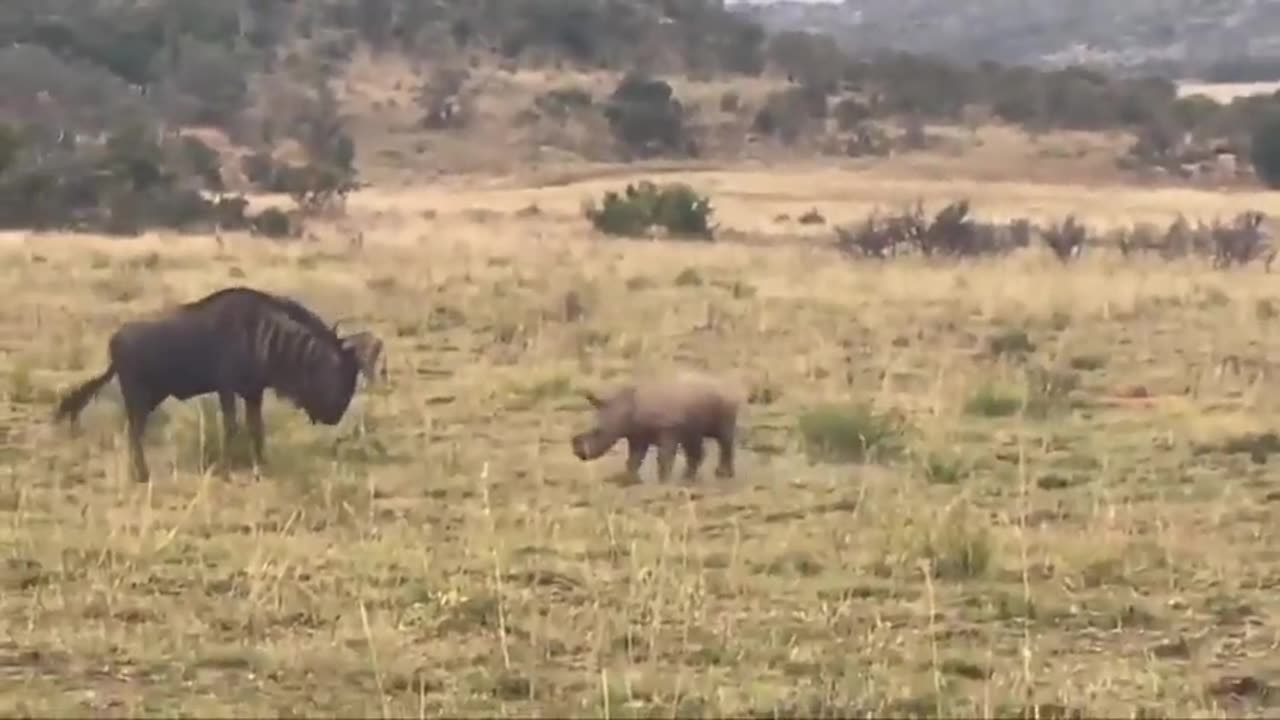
612 416
330 375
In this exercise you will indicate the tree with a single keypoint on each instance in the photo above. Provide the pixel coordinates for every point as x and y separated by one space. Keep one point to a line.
10 144
645 116
1265 150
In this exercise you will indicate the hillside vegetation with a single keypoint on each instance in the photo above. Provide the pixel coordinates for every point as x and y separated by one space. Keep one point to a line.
124 115
1222 41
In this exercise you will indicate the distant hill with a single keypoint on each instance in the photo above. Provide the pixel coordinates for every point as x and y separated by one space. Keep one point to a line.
1212 39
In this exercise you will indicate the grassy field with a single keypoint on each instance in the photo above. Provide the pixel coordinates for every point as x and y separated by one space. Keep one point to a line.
1081 522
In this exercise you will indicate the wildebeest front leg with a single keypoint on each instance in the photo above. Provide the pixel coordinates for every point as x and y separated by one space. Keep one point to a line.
253 412
667 445
724 439
636 450
693 454
229 428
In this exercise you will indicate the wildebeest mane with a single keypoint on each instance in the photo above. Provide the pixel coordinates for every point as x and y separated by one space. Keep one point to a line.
300 355
291 308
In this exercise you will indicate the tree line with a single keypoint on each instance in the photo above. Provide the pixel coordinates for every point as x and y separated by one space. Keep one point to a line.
98 92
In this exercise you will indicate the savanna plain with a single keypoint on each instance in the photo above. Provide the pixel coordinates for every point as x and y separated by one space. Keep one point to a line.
1101 542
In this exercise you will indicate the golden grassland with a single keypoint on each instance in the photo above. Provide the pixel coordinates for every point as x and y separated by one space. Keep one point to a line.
442 552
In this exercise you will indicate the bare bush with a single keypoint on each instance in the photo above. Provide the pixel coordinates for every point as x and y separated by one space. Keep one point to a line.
873 238
953 233
1066 238
1241 242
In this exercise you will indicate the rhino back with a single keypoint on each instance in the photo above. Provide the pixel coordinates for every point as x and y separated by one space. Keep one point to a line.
690 402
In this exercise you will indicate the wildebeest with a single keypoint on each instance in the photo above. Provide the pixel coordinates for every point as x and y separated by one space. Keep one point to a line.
236 341
671 412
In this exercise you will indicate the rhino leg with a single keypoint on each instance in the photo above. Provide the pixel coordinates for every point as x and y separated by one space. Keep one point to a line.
693 454
636 451
253 411
724 439
668 443
227 400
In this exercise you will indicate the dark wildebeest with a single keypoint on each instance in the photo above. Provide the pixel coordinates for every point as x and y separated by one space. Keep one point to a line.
236 341
671 412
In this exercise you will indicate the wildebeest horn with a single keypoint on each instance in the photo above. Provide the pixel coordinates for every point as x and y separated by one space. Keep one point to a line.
339 321
368 348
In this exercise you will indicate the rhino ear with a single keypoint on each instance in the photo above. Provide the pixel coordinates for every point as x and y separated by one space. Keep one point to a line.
368 349
593 399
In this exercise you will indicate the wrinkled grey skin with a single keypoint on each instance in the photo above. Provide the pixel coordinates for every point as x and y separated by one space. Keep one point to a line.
234 342
677 413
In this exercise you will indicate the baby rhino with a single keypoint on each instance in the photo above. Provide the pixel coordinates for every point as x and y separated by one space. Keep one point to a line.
670 412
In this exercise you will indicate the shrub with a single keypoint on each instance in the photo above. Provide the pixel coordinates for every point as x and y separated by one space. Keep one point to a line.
958 545
993 401
675 206
1042 392
646 117
1066 239
1265 150
272 223
789 113
852 433
559 104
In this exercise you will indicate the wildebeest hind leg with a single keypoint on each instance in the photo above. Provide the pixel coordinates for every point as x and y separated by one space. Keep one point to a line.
138 405
253 412
227 400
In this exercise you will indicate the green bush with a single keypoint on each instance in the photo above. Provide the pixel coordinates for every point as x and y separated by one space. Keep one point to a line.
126 185
646 117
958 546
273 223
1041 393
994 400
852 434
675 206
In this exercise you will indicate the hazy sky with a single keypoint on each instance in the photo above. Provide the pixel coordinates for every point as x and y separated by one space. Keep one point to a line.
739 2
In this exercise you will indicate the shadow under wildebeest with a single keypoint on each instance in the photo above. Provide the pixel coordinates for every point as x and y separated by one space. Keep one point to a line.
237 341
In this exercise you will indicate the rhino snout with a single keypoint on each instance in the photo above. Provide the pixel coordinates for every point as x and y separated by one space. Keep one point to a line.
579 444
589 445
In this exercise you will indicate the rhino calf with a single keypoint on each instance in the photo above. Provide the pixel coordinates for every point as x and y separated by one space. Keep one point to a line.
671 413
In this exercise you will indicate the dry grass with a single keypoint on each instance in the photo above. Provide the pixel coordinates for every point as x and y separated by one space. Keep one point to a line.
442 552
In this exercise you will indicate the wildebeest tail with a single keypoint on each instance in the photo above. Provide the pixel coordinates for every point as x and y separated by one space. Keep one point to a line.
73 402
